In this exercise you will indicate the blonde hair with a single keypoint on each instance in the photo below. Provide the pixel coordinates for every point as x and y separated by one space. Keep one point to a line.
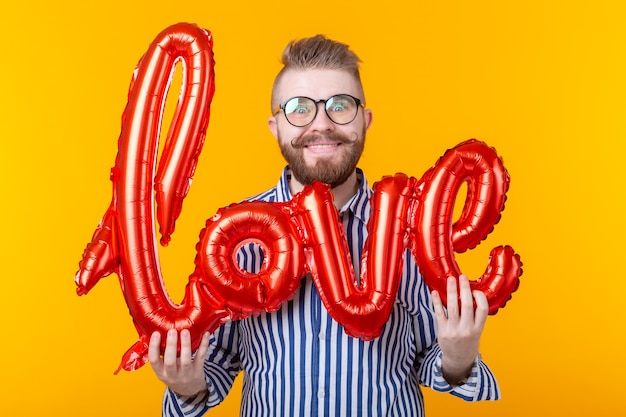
319 52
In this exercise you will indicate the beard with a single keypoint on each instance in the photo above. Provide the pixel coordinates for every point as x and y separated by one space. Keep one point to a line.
325 170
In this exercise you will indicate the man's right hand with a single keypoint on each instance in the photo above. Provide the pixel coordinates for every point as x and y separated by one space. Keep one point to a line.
182 374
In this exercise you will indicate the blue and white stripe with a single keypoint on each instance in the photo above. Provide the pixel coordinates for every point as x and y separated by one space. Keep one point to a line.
298 361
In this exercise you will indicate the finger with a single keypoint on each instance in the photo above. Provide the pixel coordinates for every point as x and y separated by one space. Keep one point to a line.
185 348
482 309
203 348
467 301
440 314
171 348
154 351
453 299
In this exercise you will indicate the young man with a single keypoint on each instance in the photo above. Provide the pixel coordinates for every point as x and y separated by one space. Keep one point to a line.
298 361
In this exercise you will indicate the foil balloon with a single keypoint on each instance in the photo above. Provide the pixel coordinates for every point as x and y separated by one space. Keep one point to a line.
435 238
125 241
362 306
239 291
304 235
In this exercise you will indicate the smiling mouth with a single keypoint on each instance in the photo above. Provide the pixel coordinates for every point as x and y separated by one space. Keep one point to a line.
321 146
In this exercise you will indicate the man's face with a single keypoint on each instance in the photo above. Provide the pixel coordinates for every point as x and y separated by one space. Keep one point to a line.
322 151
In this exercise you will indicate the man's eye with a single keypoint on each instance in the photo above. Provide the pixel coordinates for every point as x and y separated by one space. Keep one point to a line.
297 107
301 110
337 108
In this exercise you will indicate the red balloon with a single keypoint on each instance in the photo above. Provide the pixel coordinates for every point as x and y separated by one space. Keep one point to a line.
241 292
302 235
362 307
125 241
434 237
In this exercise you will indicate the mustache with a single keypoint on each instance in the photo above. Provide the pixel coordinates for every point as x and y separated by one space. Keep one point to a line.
307 139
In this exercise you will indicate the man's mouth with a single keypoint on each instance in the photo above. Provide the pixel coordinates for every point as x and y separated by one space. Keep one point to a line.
322 147
316 145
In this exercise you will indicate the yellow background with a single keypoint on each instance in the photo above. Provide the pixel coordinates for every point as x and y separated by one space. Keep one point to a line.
541 81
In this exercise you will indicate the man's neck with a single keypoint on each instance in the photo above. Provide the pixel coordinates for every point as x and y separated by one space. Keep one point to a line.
342 193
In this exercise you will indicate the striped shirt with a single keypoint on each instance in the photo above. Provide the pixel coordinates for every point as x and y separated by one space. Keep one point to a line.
298 361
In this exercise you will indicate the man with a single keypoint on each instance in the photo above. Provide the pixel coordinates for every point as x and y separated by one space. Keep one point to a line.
298 361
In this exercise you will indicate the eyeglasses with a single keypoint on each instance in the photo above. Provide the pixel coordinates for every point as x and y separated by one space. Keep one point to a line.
341 109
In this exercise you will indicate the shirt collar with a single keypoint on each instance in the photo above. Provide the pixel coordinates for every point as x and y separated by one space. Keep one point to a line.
358 204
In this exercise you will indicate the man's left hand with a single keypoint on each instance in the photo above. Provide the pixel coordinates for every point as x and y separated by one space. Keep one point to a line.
459 331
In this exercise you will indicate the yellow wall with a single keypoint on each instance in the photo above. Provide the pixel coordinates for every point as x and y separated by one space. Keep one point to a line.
541 81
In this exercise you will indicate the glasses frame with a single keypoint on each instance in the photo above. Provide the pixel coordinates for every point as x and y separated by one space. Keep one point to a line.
282 106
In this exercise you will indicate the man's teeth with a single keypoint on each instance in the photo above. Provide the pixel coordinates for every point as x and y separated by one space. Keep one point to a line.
322 146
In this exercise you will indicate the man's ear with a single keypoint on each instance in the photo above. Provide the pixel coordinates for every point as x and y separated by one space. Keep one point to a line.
272 124
369 117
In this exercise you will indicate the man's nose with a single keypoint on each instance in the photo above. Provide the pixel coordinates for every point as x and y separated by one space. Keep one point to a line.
321 122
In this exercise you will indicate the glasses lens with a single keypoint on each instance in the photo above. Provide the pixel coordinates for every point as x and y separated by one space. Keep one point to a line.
341 109
300 111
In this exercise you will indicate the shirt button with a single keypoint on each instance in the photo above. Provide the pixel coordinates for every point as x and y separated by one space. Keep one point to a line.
320 394
321 336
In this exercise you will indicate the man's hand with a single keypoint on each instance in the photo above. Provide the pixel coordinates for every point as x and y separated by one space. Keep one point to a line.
183 375
458 332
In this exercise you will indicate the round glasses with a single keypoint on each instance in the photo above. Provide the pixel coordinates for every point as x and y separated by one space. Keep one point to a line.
341 109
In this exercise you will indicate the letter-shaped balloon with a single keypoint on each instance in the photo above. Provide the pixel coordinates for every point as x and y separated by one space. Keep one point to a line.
434 237
125 242
296 237
362 307
241 292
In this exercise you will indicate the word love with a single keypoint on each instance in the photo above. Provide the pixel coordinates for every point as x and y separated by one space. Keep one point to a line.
301 236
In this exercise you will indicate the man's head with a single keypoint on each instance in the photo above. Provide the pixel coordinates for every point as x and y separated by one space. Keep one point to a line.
318 110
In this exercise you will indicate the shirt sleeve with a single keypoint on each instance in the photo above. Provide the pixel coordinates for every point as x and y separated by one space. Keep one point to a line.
481 384
220 370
